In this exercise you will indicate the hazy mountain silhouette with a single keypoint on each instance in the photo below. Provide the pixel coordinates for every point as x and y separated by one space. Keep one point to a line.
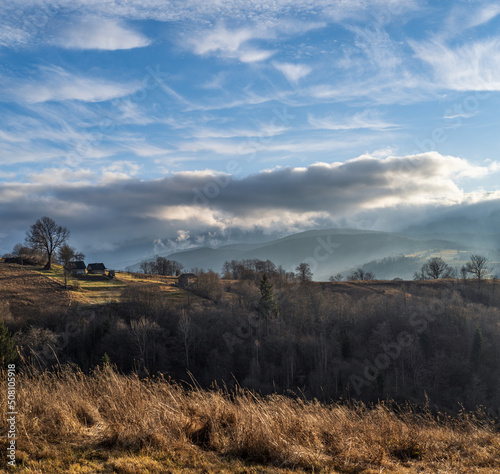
328 251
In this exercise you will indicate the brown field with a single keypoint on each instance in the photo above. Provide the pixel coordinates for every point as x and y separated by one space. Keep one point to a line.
106 422
31 290
29 294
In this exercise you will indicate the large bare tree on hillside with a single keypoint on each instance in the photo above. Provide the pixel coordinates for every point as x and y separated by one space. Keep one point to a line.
478 266
434 269
46 235
361 275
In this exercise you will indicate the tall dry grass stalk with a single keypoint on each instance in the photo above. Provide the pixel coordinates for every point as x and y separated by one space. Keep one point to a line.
105 410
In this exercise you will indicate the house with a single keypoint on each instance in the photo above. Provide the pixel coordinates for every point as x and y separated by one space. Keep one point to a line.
76 268
96 268
186 280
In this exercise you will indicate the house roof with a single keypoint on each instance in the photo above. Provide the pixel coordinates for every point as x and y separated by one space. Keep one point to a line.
77 265
187 275
96 266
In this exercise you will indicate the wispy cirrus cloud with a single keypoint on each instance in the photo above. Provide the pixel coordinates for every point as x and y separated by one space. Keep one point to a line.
263 132
368 119
484 14
473 66
264 148
173 10
466 17
57 84
11 35
98 33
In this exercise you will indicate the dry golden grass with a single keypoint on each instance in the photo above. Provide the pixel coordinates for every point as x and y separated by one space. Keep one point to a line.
32 290
106 422
29 294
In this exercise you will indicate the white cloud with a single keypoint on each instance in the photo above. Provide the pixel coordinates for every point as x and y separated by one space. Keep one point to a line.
219 147
451 114
57 176
222 39
293 72
381 52
57 84
236 43
483 15
231 43
174 10
99 33
10 35
145 149
367 119
276 147
182 235
402 88
465 17
254 55
264 132
474 66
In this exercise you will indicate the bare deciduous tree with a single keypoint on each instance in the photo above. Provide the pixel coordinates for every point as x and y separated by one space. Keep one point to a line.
304 272
67 254
478 266
185 334
46 235
337 277
22 252
360 274
143 331
435 269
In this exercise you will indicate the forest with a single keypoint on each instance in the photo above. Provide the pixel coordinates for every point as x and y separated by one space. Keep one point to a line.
432 342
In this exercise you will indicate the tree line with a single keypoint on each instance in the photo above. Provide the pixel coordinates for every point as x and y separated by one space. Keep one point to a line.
436 268
162 266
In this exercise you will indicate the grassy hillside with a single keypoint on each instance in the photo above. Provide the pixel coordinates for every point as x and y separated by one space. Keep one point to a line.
27 289
106 422
23 292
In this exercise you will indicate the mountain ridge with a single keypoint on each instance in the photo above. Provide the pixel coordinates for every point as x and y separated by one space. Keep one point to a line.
328 251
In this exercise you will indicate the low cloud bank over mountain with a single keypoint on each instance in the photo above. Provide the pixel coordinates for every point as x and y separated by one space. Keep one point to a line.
113 214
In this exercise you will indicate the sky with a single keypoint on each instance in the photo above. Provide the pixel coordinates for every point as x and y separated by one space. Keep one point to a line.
156 125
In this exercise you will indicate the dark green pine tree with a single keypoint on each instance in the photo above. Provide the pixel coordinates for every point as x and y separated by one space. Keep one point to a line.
267 304
105 361
8 352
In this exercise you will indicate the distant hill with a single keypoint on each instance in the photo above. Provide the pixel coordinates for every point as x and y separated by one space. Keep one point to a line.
328 251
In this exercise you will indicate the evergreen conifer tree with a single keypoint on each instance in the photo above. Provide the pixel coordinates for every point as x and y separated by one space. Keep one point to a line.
267 304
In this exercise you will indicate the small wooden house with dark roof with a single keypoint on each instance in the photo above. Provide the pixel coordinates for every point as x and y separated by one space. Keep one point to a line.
96 268
76 268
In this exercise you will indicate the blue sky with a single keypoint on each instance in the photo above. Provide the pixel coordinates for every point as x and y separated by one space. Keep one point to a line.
156 125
